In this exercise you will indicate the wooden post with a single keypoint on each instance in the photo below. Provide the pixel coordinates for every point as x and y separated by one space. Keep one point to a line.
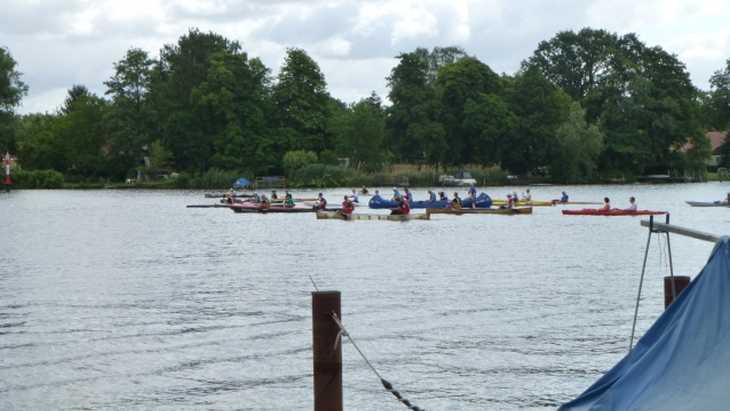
327 351
680 283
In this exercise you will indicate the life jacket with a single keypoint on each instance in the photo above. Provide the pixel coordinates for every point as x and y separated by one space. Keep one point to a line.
322 203
405 208
347 207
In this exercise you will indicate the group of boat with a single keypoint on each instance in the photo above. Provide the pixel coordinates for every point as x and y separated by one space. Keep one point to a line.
472 204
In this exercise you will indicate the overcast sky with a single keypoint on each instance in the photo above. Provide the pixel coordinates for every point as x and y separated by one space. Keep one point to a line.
59 43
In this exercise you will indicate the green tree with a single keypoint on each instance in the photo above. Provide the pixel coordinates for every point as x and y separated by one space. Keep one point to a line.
360 133
130 117
81 134
540 108
578 146
38 144
457 85
296 159
160 158
12 90
182 68
718 102
301 100
488 126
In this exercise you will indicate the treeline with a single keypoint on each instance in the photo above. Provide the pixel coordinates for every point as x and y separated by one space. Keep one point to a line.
585 105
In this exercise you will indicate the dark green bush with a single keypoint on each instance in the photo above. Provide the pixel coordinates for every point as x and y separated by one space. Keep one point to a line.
37 179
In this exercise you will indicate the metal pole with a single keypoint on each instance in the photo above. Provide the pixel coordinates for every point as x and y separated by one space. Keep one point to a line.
327 351
671 266
641 282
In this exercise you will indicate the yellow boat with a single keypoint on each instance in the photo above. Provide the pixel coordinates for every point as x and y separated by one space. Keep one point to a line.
336 215
462 211
533 203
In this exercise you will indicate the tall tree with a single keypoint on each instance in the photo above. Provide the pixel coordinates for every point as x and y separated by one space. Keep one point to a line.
574 157
12 90
130 117
541 108
301 99
182 68
360 133
81 134
718 104
457 85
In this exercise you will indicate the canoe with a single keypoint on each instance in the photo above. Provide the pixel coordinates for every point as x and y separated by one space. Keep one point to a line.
223 195
533 203
207 205
708 204
558 202
334 215
611 213
483 201
250 208
498 211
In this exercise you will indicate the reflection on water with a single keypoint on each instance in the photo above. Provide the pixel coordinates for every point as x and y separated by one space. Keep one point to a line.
126 299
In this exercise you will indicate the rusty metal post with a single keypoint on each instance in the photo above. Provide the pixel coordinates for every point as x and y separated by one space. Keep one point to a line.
327 351
680 283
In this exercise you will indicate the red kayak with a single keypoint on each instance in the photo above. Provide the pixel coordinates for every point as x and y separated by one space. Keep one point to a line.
612 212
253 208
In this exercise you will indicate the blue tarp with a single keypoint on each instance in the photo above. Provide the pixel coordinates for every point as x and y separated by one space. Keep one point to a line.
241 183
483 201
683 361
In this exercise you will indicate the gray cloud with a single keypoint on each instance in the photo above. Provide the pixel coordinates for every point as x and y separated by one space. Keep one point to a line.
58 43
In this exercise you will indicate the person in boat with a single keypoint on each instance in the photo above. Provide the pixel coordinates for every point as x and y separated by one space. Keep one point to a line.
442 196
527 196
403 208
396 194
347 207
431 196
264 203
456 202
407 195
564 197
511 201
321 202
228 197
274 196
473 195
515 197
376 196
256 198
606 204
353 196
632 204
364 191
288 200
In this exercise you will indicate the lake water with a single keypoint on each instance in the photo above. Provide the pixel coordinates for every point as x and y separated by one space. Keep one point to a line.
129 300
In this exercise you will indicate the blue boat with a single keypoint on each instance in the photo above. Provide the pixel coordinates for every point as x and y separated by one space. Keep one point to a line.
483 201
681 363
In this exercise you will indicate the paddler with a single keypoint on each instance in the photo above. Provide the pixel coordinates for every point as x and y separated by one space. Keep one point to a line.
396 194
273 195
564 197
473 195
632 204
353 196
347 207
431 196
511 201
376 196
527 197
288 200
442 196
456 202
408 195
265 203
364 191
403 208
606 204
321 202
